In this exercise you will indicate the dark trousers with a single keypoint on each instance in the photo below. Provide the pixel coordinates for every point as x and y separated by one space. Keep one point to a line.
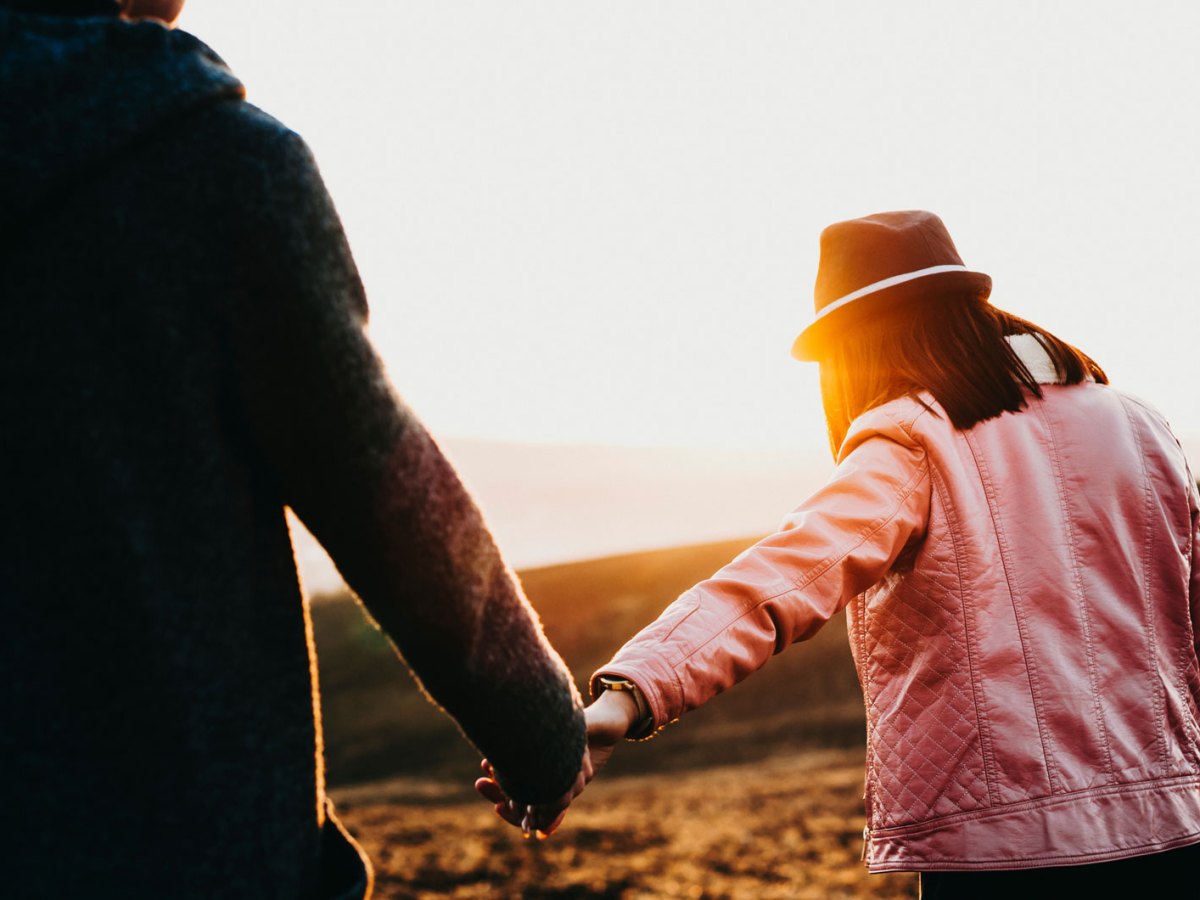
1108 879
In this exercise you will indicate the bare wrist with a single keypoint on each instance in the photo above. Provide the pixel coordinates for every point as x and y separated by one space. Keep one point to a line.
627 701
621 705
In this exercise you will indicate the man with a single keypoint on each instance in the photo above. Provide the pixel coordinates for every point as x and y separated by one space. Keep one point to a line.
185 358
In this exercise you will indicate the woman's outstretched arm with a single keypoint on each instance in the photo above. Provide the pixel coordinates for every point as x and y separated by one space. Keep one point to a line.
838 543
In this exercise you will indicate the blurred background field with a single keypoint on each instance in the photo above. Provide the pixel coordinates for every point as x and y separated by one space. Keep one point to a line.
757 794
788 826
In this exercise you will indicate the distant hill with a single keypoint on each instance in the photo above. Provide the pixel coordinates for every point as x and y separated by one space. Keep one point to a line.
548 504
378 725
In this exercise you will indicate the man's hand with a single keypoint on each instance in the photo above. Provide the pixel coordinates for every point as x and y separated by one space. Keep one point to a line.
608 721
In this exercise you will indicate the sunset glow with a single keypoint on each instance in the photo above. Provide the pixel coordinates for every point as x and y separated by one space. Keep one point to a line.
596 224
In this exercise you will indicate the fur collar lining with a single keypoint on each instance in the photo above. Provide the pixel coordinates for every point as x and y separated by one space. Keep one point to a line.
1031 352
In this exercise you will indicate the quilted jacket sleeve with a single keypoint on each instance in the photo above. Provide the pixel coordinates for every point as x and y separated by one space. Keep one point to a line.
838 543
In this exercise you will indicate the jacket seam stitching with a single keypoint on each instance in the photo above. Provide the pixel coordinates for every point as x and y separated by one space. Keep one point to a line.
1052 776
1147 407
983 726
1032 862
1147 608
907 427
926 826
1189 646
1084 615
867 679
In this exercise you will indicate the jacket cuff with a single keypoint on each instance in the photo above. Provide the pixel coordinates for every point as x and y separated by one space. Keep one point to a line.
655 679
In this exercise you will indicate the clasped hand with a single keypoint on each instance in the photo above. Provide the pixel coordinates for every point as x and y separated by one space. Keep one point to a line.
608 721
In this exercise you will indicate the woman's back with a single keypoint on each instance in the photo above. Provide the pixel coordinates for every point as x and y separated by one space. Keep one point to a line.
1019 615
1029 666
1019 547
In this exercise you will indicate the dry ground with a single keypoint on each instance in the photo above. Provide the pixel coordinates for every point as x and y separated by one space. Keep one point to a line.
789 826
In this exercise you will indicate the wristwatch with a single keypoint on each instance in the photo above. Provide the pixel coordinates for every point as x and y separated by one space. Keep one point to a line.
645 721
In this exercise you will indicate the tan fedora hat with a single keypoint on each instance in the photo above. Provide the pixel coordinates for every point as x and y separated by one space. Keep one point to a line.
881 262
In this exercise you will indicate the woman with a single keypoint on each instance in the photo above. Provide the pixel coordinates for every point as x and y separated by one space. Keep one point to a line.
1017 543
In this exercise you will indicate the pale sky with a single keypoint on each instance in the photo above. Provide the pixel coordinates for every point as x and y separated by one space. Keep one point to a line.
596 223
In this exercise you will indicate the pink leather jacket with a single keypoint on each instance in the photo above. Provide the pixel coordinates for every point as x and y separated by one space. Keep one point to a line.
1023 601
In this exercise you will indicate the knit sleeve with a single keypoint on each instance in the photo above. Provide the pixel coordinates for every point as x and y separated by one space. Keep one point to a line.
371 484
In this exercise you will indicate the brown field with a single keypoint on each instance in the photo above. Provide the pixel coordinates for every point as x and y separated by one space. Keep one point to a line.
790 826
757 794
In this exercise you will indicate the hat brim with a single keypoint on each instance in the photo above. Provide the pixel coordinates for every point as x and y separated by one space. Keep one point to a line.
814 342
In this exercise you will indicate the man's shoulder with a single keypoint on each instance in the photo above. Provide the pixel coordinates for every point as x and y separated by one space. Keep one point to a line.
235 130
251 169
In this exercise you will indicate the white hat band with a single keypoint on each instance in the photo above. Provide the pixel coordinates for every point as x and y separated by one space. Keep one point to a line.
886 283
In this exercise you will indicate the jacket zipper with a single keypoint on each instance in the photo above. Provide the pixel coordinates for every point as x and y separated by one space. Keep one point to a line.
859 623
867 811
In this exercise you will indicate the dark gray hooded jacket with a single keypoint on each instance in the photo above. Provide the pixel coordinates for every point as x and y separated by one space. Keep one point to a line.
184 357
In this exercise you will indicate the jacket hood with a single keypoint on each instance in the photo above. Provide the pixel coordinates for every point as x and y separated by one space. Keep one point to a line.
77 90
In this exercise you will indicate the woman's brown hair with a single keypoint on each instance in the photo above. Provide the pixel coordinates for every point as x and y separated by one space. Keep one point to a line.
952 346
